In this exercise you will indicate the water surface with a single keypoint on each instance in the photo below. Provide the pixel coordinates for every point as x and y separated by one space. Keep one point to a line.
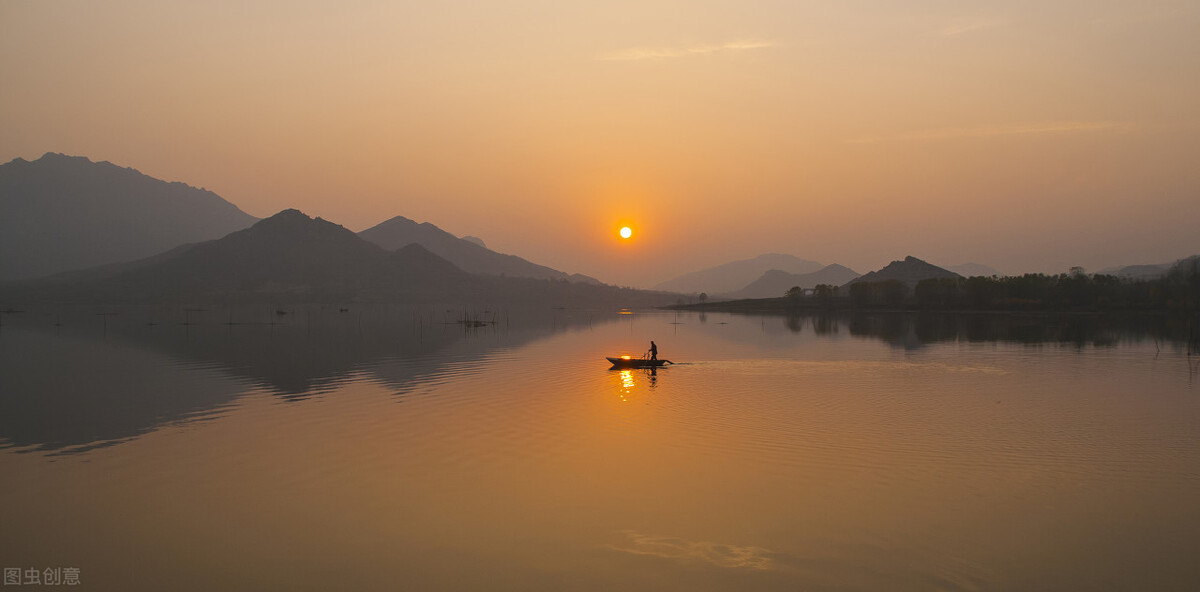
386 448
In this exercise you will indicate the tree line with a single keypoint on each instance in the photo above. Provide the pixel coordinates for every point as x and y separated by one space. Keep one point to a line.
1179 289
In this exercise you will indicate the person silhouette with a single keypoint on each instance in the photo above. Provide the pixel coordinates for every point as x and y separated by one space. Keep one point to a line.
653 352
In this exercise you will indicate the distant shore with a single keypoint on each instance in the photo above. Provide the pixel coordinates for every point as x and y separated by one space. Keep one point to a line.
785 306
1178 291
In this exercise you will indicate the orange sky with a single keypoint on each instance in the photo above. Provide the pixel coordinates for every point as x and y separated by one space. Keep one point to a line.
1029 136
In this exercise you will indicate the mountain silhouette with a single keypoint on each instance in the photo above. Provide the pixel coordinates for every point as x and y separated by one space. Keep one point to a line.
287 257
1150 271
579 278
735 275
775 283
291 253
910 271
468 253
61 213
292 258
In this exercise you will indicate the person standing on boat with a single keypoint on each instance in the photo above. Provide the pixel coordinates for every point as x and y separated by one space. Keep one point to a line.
653 352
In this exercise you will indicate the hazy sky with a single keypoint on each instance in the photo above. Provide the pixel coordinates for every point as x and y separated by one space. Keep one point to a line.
1029 136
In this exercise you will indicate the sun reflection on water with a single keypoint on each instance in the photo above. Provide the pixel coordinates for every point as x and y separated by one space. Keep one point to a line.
627 385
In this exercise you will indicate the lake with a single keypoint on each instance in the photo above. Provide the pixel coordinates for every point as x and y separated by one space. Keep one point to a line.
382 448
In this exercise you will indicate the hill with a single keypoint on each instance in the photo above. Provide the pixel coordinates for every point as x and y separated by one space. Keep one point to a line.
579 278
910 271
1186 267
1148 271
775 283
735 275
287 257
468 253
61 213
292 258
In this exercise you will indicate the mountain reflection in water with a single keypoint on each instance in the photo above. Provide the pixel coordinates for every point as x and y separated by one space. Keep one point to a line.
383 447
913 330
76 379
71 381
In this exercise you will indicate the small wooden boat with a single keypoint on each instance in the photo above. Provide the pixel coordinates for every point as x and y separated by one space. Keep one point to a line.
629 362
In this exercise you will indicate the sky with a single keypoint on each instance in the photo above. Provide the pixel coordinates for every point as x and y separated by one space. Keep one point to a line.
1028 136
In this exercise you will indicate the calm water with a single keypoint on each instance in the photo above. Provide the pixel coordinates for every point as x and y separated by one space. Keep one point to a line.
385 449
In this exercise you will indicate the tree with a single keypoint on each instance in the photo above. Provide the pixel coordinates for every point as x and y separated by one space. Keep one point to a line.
860 293
825 293
891 293
703 296
894 292
940 292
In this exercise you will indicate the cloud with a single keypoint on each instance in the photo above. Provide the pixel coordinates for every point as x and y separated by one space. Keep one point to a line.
646 53
1057 127
707 552
961 26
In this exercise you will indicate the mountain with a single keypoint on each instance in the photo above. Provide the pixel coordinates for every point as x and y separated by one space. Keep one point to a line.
775 283
909 271
972 270
288 256
1147 271
1140 272
291 253
60 213
468 253
735 275
1189 265
292 258
579 278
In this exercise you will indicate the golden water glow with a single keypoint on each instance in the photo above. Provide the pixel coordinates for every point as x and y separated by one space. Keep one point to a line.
627 383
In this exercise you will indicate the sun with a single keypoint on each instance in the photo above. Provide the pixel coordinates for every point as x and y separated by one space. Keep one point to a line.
626 232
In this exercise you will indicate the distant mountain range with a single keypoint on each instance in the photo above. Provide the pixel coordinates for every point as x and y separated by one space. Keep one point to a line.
93 229
285 256
291 257
910 271
469 253
1140 272
1148 271
94 219
60 213
775 283
735 275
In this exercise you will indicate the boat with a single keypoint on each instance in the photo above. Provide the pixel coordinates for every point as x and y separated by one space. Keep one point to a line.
630 362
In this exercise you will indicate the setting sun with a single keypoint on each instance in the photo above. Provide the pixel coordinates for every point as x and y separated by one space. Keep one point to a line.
626 232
